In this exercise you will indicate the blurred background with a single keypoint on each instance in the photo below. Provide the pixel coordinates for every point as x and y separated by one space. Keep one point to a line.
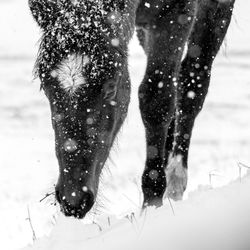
28 166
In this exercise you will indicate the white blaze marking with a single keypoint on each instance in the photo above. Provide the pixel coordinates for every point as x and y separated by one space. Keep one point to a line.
70 72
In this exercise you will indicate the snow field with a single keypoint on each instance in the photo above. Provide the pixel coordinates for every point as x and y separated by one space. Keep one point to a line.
28 165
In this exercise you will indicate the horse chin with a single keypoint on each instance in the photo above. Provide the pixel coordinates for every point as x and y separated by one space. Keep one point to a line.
78 214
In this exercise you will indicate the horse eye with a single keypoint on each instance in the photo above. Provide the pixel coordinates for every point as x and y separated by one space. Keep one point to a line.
110 90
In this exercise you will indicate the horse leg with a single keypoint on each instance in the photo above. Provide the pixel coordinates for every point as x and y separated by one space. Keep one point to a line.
212 21
163 40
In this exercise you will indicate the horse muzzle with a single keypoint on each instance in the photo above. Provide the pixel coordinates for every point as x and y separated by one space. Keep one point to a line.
76 203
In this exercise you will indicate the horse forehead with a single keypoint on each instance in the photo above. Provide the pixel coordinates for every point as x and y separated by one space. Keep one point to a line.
87 12
80 29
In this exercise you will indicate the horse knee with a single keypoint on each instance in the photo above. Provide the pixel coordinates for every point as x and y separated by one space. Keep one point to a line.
193 85
191 104
157 105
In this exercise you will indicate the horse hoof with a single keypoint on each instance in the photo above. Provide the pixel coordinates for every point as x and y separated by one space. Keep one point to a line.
156 202
173 194
176 176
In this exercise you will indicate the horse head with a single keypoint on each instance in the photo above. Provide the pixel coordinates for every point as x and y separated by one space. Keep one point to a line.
83 68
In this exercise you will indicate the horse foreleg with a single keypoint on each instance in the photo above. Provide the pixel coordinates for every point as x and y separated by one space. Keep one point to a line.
211 25
164 40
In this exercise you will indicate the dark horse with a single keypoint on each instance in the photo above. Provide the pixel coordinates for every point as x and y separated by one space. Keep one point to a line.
83 68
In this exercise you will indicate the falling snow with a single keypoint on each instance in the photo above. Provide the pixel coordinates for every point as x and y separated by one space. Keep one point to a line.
220 140
70 145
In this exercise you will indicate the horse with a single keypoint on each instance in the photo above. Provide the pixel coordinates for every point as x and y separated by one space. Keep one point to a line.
82 64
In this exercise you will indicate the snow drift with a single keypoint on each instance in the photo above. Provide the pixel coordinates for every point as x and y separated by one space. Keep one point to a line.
208 219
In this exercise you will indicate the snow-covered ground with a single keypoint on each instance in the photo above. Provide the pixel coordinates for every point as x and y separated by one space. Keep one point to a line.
215 219
28 165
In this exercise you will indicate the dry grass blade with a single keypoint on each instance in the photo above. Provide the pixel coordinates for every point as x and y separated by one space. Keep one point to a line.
46 196
31 226
241 165
171 205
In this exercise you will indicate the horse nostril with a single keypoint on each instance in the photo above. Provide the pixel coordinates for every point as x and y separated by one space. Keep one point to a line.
87 200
